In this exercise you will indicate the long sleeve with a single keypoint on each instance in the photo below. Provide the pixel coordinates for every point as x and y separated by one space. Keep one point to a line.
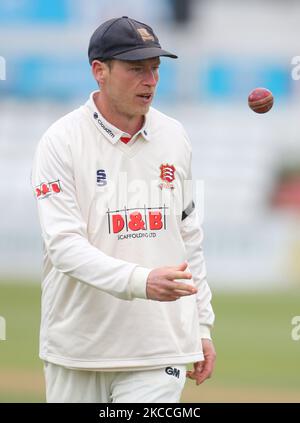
64 230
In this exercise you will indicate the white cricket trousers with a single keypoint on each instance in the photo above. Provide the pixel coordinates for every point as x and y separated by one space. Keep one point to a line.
145 386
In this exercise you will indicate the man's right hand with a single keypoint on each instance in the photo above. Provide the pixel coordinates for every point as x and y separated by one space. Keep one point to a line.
162 284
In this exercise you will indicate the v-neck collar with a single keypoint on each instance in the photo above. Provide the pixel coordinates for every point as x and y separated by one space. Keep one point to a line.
112 133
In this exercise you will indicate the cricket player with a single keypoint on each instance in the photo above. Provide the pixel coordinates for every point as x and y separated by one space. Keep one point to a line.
125 300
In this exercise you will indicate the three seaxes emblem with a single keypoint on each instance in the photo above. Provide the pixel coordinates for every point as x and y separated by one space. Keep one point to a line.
167 175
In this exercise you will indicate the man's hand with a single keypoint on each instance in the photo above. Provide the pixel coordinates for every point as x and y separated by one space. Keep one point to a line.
162 284
203 369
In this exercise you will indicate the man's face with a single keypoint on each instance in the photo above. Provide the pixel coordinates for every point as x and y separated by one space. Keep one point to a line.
129 86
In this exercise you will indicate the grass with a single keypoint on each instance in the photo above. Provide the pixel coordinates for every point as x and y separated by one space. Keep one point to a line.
257 358
20 306
253 338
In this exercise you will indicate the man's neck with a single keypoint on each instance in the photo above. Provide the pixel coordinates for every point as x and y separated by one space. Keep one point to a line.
130 125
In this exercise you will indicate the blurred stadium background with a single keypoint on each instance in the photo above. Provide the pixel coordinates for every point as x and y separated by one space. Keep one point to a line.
250 165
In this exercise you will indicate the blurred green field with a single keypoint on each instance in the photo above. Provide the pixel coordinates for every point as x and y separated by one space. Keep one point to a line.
257 359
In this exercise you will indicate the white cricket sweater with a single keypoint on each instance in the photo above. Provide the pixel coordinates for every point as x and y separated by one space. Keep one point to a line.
110 213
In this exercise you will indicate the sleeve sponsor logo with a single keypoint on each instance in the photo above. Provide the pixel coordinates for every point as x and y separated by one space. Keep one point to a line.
45 189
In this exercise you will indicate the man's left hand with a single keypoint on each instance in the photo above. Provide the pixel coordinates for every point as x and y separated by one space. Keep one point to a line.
203 369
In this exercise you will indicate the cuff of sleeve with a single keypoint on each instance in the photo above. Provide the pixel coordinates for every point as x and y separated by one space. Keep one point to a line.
138 281
205 332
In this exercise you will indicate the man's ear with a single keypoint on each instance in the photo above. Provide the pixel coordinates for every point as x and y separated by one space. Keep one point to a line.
100 71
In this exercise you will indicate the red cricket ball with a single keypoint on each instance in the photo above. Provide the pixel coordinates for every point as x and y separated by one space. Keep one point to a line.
260 100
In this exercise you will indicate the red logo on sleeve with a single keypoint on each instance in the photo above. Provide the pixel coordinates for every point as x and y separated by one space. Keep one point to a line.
45 189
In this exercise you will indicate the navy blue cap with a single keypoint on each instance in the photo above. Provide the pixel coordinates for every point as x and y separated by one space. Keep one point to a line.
125 39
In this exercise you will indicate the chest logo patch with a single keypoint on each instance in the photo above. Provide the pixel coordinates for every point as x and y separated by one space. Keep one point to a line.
101 178
167 175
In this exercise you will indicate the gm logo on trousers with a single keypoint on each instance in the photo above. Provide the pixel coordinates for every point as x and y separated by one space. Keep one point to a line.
173 371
